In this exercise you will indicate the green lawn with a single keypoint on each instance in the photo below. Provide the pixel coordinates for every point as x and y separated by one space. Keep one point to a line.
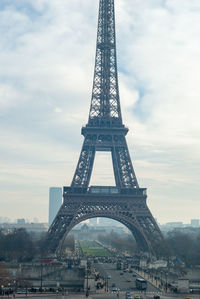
89 244
92 248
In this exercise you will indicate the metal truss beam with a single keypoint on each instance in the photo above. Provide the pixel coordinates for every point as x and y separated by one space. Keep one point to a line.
105 132
105 103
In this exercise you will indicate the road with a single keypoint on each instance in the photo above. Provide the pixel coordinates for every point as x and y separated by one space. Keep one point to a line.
150 296
124 282
110 296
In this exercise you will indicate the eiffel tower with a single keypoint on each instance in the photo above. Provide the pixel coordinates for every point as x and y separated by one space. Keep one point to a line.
105 131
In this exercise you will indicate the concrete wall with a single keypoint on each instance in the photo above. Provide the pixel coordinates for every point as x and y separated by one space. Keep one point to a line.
49 275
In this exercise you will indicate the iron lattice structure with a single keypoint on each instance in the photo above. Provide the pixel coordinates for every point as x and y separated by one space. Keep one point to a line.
105 131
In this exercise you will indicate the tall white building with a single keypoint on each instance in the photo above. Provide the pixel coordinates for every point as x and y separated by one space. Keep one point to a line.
94 221
55 202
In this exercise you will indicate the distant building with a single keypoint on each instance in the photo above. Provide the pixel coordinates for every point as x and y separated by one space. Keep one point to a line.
169 226
21 221
34 228
108 222
195 222
94 221
35 220
5 220
158 264
174 224
55 202
86 232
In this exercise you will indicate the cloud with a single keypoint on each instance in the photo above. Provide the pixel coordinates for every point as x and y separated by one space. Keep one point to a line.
47 53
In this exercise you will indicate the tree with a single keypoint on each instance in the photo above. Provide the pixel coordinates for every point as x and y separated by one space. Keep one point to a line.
185 247
16 245
4 275
70 242
119 242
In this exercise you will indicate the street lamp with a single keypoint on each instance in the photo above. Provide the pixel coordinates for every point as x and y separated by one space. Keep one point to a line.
156 272
166 282
8 289
161 279
14 287
87 291
2 291
41 278
106 284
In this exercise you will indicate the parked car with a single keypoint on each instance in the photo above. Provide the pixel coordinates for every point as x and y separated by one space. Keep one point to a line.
22 292
128 295
114 289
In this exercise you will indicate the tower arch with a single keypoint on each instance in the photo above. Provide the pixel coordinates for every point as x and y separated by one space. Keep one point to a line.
140 238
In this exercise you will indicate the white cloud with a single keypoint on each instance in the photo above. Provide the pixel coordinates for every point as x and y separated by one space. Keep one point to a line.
47 58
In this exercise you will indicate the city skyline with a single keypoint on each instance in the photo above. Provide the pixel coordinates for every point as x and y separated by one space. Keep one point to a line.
46 84
101 221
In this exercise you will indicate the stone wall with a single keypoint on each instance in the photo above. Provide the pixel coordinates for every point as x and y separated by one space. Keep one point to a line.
48 275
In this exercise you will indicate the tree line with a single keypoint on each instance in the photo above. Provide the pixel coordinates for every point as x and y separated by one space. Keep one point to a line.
20 246
119 242
17 246
184 246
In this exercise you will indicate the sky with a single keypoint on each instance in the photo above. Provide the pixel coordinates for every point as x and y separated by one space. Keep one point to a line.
47 54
